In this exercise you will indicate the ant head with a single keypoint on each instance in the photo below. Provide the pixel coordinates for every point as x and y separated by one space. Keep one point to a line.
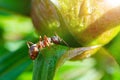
55 39
33 50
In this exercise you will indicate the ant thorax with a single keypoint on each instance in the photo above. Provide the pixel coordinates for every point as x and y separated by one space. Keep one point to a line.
46 42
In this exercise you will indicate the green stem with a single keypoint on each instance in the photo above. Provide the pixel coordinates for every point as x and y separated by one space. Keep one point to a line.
51 58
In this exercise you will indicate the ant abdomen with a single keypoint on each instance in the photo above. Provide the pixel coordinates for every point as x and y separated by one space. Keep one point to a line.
33 51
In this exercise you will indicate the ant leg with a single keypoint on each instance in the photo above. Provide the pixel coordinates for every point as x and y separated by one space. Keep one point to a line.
29 44
40 38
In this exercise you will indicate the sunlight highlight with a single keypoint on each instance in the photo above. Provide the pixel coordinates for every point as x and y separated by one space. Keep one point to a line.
113 3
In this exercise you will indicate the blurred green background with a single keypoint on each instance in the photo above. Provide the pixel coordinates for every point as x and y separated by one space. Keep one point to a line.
16 29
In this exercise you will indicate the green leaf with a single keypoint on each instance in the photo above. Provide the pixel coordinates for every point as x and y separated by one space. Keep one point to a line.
18 6
51 58
114 48
107 65
13 64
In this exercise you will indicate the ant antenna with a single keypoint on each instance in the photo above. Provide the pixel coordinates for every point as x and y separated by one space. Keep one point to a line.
61 39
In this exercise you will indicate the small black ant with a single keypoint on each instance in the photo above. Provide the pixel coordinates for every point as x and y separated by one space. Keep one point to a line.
47 41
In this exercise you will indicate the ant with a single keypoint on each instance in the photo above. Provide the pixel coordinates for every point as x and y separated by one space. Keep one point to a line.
47 41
